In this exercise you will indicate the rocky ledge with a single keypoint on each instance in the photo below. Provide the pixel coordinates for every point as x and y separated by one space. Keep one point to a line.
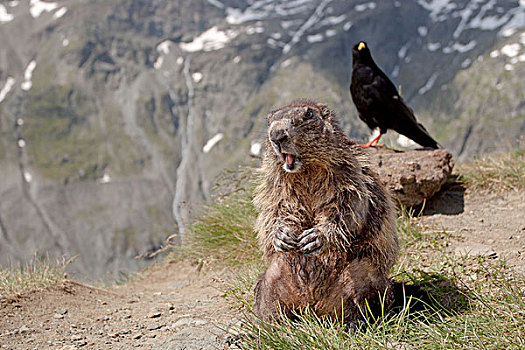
412 176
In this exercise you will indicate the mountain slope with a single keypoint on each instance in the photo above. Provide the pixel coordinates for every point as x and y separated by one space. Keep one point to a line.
116 117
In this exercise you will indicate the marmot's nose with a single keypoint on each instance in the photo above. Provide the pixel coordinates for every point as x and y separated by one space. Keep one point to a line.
278 136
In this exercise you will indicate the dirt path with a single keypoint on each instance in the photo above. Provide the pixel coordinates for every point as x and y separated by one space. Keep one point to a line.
171 307
487 224
178 307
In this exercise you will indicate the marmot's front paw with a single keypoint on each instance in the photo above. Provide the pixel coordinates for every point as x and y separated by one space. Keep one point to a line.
284 240
310 241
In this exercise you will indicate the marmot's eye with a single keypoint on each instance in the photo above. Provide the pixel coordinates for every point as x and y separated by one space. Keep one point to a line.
309 113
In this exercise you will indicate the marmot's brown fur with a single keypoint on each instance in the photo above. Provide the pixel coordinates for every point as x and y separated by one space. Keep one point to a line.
325 224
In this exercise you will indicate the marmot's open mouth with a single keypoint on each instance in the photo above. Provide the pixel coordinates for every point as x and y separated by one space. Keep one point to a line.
291 162
289 159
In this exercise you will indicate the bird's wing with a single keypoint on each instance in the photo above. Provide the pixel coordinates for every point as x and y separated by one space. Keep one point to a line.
399 115
383 92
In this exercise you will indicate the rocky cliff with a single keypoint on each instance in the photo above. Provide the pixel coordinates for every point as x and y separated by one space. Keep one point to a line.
117 116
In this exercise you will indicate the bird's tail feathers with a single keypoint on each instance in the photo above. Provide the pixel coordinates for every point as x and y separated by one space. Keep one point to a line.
422 137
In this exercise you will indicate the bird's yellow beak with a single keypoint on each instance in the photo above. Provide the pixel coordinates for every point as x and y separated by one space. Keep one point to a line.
361 46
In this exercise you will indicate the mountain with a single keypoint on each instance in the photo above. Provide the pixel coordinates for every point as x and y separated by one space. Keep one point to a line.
116 117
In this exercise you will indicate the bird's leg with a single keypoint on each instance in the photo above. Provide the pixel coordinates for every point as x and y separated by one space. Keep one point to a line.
373 143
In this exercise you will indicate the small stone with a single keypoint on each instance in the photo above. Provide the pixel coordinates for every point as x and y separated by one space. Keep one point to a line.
106 318
155 326
24 329
153 314
125 331
58 316
181 323
62 312
136 336
76 337
81 343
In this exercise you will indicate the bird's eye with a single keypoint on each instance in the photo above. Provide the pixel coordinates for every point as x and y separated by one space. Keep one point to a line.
309 113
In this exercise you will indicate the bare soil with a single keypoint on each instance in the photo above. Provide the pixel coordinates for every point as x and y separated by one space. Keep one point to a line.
487 224
180 306
171 307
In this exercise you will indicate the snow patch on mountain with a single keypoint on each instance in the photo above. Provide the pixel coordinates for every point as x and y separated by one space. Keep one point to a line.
216 3
210 40
265 9
36 7
4 16
255 148
404 141
437 8
459 47
314 38
311 21
28 74
433 46
10 82
60 13
212 142
366 6
428 85
511 50
197 77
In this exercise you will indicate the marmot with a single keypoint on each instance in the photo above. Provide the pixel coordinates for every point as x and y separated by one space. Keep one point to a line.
326 224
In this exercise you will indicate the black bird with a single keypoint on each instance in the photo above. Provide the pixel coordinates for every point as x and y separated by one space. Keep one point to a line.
378 102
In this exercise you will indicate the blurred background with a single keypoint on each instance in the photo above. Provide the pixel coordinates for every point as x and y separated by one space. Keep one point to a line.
116 117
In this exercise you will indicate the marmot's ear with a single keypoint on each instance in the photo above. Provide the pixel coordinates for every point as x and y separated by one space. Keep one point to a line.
325 111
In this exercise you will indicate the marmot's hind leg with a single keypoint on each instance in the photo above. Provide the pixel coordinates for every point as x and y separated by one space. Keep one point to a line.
273 292
369 289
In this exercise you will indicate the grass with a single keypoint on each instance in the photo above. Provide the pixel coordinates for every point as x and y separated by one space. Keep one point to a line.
495 172
224 232
36 274
443 301
451 303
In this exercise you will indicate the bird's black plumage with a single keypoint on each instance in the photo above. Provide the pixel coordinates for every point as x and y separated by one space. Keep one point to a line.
378 102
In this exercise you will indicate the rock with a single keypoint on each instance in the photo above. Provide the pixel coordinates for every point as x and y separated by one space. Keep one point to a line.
412 176
153 314
154 327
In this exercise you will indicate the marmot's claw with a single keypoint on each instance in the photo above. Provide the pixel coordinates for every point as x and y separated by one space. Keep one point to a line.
283 240
310 242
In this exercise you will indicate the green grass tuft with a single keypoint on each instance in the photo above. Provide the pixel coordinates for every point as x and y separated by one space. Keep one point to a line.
36 274
495 172
224 232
